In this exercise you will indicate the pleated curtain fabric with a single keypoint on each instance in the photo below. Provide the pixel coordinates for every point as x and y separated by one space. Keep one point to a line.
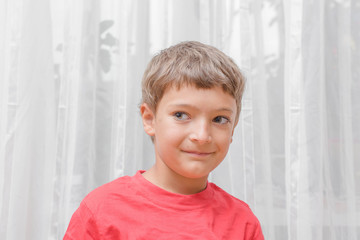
70 74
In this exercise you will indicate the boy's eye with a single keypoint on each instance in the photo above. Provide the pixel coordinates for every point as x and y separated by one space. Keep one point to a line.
181 116
221 120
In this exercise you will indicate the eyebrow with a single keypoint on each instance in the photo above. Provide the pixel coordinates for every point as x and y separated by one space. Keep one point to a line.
192 106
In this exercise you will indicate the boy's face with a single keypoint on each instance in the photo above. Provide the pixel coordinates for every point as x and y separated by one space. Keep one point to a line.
193 129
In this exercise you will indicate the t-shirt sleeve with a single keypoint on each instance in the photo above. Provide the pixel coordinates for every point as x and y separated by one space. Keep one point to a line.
82 225
258 235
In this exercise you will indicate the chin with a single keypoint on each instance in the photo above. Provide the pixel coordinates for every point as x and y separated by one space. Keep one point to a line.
194 174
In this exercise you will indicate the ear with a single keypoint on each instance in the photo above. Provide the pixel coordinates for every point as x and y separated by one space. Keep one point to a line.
148 119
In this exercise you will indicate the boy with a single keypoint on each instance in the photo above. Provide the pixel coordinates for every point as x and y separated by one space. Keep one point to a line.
190 107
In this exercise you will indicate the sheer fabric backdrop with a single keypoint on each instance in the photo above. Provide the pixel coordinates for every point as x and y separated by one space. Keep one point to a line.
70 75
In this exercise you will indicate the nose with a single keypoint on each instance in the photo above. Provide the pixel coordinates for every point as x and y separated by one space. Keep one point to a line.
201 132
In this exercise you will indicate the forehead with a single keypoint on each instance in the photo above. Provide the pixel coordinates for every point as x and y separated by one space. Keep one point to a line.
202 98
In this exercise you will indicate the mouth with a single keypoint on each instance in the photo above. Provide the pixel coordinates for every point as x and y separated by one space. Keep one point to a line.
198 153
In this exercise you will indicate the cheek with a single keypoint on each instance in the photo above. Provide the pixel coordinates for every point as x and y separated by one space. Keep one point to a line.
169 134
224 140
168 142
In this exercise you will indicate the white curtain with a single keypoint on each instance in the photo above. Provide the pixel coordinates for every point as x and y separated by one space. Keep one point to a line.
70 75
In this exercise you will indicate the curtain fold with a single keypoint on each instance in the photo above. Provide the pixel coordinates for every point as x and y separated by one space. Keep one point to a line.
28 121
70 74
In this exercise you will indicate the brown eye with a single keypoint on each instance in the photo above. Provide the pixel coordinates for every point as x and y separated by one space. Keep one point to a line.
181 116
221 120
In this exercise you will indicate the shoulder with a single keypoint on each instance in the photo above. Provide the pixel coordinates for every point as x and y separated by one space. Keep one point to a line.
232 203
114 190
98 206
239 212
225 196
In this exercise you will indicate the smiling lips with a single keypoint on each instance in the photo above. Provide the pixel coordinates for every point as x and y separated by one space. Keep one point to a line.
197 153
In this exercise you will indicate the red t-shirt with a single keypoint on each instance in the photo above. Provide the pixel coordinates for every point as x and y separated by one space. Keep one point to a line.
134 208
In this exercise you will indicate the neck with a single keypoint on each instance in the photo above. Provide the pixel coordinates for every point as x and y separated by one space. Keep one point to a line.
173 182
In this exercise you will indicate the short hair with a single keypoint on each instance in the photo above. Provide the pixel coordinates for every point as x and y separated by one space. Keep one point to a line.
191 63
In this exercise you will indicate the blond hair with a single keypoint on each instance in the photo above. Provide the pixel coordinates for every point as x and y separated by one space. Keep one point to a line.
191 63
